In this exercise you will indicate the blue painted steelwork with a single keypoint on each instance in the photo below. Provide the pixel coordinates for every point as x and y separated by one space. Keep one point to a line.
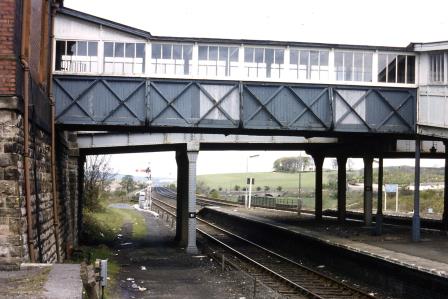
145 102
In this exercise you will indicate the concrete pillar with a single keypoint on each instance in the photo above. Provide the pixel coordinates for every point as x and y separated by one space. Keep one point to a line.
182 207
191 242
318 163
379 211
368 192
416 217
445 192
342 187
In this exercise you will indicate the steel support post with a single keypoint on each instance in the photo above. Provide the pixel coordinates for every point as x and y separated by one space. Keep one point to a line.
445 192
318 163
342 187
416 217
192 153
181 210
379 211
368 192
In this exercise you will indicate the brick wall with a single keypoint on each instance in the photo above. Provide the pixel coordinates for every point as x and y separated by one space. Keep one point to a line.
8 62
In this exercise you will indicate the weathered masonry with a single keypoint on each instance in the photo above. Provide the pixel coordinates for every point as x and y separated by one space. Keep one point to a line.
36 210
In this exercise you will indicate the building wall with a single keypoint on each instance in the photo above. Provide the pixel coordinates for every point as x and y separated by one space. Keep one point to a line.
14 247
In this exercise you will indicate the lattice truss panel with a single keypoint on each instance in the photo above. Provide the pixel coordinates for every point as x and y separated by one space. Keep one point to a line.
190 103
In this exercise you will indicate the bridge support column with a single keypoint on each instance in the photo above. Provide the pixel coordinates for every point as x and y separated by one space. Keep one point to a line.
192 153
182 207
416 217
379 211
342 187
318 163
368 192
445 192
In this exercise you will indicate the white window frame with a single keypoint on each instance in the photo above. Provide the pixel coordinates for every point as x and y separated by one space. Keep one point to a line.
133 61
76 61
363 71
294 69
157 64
232 68
406 54
261 68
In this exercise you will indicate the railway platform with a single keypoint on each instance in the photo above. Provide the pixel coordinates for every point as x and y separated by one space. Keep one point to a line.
391 259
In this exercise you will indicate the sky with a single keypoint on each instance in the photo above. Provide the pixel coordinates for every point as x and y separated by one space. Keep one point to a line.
380 23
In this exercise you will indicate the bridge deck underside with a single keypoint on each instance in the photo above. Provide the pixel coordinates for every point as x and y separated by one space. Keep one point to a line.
142 102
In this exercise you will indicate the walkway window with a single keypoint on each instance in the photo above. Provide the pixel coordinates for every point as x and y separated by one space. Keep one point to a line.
76 56
217 61
171 59
353 66
437 68
393 68
124 58
309 64
263 62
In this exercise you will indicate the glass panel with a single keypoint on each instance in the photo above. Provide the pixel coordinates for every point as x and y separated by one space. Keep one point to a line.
323 58
348 66
203 52
338 63
248 54
130 50
314 58
213 53
177 51
108 49
401 69
294 57
60 51
382 67
156 51
119 50
71 48
188 52
304 55
368 57
259 55
93 49
279 56
223 52
411 70
82 48
391 66
166 51
357 67
233 53
269 56
140 50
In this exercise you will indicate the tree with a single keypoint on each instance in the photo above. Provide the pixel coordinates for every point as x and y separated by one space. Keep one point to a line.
292 164
258 188
267 188
350 164
127 183
237 188
97 177
279 188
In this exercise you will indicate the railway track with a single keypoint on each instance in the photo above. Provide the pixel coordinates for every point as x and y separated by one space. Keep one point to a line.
287 277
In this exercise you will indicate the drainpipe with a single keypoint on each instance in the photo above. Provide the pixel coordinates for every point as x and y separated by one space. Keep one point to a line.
26 150
53 138
26 157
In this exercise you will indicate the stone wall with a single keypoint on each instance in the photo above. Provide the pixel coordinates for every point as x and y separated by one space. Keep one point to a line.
13 220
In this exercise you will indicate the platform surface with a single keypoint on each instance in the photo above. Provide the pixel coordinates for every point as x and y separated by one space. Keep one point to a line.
394 245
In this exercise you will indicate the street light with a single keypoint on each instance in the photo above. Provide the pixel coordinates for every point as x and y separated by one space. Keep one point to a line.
247 198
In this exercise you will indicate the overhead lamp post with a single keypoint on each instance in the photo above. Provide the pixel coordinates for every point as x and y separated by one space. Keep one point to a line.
248 193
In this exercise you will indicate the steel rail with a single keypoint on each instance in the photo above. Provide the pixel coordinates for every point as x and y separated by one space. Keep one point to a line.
326 280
